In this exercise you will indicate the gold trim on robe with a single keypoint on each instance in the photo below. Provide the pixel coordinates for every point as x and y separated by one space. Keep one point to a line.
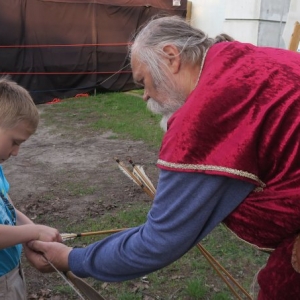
211 168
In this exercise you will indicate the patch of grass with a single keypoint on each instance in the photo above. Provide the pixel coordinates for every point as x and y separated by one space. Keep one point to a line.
222 296
63 289
129 217
139 92
123 114
129 296
79 189
48 196
195 288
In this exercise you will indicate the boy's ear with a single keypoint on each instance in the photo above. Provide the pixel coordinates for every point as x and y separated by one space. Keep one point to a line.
173 58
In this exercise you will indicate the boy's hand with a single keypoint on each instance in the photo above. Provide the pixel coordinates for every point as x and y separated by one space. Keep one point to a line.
48 234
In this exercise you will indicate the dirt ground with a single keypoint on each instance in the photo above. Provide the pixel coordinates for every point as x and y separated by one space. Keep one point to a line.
50 162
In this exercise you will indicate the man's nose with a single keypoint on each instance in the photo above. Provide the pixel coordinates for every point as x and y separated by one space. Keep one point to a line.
146 97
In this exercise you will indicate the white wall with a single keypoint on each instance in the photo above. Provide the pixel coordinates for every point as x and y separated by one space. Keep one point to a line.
260 22
218 16
208 15
273 18
241 20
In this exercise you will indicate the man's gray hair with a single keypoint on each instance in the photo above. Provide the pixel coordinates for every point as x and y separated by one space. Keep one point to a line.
149 43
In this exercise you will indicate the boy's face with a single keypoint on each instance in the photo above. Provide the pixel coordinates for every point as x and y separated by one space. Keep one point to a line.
11 139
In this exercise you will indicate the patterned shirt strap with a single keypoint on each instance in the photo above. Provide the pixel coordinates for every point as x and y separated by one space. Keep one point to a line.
10 207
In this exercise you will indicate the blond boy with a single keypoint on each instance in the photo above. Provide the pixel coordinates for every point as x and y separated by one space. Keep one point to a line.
18 121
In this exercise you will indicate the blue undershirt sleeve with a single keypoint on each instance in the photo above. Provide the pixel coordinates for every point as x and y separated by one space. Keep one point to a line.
186 208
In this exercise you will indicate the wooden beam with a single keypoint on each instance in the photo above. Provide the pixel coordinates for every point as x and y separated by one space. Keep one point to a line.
295 39
189 11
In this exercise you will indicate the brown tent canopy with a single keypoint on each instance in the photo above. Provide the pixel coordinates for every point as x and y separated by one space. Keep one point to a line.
60 48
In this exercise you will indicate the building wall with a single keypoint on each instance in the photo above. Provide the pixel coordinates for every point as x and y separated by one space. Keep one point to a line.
273 17
241 19
208 15
260 22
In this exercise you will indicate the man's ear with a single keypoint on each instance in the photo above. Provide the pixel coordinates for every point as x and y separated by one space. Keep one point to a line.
173 58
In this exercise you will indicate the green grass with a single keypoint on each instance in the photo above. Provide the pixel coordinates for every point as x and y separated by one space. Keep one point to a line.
195 288
128 217
123 114
78 189
191 277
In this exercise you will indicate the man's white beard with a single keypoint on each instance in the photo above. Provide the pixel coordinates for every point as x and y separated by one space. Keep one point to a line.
174 102
164 122
166 112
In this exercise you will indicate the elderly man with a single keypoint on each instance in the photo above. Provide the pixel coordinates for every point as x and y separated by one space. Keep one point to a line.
230 154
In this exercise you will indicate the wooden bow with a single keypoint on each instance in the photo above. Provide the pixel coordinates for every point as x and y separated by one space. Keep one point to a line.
88 291
78 285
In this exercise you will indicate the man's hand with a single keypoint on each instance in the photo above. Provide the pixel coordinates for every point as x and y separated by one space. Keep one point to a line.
56 253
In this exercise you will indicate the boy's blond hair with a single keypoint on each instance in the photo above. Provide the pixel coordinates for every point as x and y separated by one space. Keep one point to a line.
16 105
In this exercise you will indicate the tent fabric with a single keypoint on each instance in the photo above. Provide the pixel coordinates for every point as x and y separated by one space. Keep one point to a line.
60 48
161 4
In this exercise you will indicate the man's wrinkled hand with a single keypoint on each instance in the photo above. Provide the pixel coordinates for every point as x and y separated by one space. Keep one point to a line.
37 260
56 253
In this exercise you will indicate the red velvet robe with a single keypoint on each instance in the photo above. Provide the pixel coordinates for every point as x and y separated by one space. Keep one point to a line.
243 121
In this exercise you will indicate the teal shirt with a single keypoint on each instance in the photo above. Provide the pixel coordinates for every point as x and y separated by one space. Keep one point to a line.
9 257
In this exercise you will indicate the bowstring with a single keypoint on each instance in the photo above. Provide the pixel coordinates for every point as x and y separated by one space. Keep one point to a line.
64 278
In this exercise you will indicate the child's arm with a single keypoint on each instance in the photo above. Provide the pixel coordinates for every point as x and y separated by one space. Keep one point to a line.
26 231
13 235
22 219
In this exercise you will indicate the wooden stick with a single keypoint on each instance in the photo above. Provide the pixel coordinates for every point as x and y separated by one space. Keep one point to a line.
295 39
215 264
68 236
100 232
